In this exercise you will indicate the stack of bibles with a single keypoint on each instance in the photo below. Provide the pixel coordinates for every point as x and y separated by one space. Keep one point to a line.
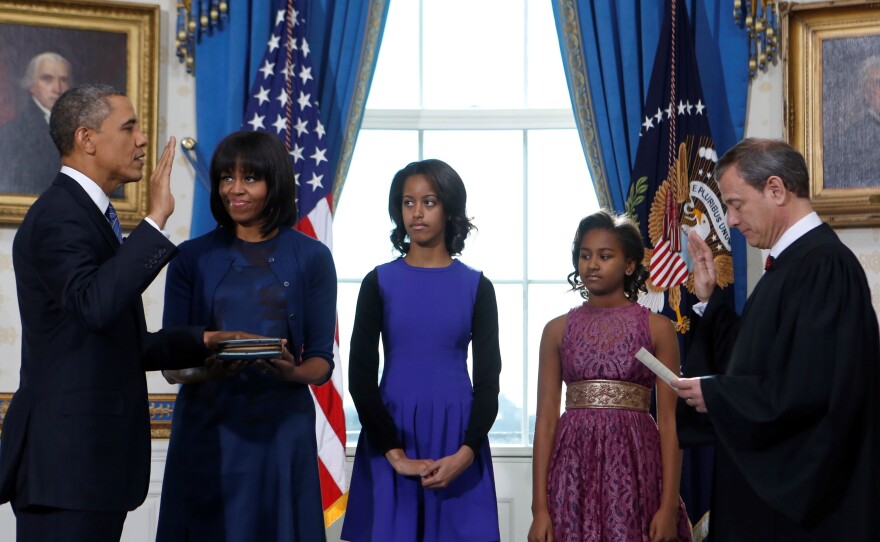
249 349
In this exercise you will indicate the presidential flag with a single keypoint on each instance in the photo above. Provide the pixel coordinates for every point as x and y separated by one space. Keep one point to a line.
672 192
283 101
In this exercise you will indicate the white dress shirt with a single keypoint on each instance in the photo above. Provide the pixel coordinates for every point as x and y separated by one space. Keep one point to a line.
102 200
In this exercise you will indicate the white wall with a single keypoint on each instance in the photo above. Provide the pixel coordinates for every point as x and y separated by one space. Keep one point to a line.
177 117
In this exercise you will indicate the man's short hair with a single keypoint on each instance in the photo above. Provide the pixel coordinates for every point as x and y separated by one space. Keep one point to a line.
757 160
85 105
30 74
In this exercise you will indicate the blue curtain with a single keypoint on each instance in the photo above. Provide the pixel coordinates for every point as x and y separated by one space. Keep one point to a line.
344 38
608 49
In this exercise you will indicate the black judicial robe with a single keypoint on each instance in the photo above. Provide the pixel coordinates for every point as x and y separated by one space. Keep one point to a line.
795 413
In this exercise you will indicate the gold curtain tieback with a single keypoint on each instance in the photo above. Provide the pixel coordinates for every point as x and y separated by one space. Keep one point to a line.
607 394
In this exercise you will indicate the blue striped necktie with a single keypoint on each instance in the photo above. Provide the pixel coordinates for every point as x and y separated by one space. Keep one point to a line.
110 213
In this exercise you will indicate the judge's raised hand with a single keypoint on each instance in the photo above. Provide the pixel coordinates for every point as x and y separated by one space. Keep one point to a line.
703 261
161 199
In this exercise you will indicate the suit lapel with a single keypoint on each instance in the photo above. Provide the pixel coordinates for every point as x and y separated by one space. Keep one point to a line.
81 198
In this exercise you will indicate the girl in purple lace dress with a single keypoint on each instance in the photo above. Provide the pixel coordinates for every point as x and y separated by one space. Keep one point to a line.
605 470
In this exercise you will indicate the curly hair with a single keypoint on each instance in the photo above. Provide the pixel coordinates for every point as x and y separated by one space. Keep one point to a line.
630 239
451 193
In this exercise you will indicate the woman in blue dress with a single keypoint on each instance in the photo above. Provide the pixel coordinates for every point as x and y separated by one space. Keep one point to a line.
242 462
423 468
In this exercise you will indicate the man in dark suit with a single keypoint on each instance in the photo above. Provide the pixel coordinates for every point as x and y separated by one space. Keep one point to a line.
75 453
28 158
793 404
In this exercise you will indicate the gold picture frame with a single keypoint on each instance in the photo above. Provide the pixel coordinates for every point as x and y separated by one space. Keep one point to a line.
104 42
831 56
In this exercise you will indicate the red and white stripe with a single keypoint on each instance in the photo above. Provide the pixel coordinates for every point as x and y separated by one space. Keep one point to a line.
329 416
667 267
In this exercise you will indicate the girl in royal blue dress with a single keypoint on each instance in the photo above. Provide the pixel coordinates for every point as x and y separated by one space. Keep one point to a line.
242 462
423 468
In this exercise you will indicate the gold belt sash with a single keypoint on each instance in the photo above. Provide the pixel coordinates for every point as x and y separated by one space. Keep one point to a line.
607 394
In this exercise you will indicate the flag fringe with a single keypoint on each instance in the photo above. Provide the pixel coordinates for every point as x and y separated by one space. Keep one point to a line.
335 510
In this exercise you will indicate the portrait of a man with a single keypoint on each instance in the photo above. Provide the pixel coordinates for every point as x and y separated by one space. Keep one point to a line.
48 75
851 113
37 65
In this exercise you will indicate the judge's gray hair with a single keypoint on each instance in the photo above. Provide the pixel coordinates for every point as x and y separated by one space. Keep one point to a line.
757 160
30 74
85 105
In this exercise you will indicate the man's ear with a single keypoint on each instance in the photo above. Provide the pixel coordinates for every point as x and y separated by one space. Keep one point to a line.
776 190
83 139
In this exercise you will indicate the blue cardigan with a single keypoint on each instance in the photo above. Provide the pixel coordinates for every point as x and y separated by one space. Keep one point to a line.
304 266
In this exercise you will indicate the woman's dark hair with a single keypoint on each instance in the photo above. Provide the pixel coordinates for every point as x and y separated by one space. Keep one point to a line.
452 194
630 240
263 156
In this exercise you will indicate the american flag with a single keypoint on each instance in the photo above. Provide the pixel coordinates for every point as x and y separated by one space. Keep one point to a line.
283 101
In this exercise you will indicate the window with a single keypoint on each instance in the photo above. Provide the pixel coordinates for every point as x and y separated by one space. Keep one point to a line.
480 85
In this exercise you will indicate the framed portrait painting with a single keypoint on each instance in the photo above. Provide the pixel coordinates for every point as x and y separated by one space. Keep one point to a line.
47 46
832 101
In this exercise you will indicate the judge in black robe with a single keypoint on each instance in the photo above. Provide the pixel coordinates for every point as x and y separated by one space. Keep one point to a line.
795 411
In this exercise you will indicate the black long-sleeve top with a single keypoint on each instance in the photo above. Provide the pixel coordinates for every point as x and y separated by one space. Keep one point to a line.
363 370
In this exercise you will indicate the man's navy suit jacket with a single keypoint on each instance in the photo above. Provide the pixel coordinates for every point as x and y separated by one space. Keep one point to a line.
77 432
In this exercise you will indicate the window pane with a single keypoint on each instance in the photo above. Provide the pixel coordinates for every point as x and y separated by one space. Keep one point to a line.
473 54
508 424
489 54
560 194
546 77
395 83
361 224
546 301
491 165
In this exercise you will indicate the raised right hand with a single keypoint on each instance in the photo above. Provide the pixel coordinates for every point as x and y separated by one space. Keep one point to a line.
703 261
161 199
